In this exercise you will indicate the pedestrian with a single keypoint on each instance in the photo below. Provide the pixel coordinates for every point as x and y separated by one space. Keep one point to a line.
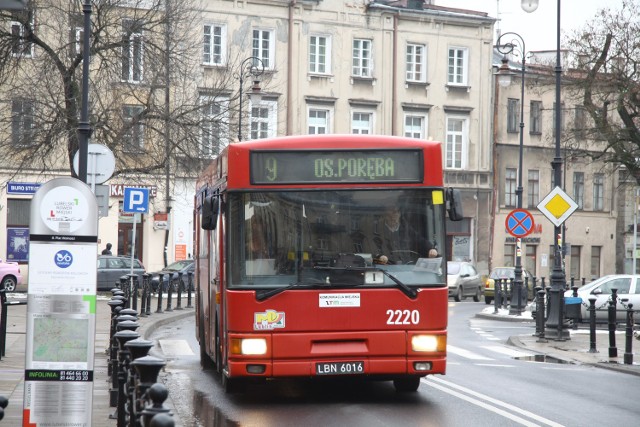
107 250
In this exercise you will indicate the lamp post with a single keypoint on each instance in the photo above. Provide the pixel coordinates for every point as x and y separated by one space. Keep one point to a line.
251 67
555 328
84 128
516 44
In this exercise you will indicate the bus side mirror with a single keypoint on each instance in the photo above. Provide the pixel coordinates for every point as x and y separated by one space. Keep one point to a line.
210 207
454 204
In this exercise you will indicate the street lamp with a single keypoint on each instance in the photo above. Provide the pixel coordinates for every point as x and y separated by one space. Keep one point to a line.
251 67
516 44
555 328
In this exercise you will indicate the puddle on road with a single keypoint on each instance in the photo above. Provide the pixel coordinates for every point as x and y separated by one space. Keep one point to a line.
543 358
207 414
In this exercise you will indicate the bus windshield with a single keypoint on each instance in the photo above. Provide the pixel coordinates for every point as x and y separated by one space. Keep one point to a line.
336 238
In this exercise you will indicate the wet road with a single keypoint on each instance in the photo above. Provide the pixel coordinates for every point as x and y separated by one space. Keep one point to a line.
487 383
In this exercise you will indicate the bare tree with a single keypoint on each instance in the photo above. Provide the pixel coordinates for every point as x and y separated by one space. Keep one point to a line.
145 86
607 54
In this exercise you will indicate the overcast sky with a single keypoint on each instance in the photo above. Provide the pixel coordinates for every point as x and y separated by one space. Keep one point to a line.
538 29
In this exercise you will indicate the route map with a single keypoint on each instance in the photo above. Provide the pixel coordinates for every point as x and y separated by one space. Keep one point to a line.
60 340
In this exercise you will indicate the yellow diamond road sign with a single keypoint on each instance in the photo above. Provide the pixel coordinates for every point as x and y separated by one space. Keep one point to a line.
557 206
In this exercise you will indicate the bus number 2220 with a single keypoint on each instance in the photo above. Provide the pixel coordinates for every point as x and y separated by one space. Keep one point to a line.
403 317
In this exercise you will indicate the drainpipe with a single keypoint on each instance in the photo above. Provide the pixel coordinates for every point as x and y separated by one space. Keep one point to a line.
394 76
292 4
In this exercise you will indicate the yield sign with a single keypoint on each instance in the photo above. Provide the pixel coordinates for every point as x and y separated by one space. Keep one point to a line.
519 223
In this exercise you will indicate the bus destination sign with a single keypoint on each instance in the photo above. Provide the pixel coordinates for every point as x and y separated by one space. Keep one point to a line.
336 166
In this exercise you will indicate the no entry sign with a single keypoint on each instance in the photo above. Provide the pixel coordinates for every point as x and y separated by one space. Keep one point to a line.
519 223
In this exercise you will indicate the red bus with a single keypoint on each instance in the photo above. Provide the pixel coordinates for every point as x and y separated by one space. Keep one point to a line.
323 256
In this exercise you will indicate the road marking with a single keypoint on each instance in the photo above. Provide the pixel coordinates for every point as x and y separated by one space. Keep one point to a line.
494 365
466 353
507 351
176 348
493 405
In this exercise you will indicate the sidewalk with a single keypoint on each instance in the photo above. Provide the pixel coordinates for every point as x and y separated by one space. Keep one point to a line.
576 349
12 364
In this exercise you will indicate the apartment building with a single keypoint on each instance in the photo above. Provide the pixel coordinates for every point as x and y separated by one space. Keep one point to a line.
591 237
371 67
325 66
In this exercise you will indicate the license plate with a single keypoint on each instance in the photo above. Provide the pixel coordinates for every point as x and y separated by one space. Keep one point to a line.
340 368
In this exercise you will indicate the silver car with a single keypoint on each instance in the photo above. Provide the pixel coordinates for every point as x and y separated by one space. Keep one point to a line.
111 268
463 280
628 291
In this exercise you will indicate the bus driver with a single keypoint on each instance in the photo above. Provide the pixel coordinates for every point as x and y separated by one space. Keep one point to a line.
396 238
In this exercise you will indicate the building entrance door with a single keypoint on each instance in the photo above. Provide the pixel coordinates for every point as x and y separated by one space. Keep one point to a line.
125 239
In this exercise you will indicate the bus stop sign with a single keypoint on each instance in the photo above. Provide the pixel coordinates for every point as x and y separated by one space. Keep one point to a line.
519 223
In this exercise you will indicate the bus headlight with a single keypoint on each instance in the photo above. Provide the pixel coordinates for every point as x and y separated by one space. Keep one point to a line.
249 346
429 343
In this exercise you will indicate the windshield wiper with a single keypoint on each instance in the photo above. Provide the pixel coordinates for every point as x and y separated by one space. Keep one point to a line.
264 294
408 291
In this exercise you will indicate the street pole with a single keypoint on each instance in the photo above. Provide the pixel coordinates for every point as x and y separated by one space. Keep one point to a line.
250 67
518 292
84 128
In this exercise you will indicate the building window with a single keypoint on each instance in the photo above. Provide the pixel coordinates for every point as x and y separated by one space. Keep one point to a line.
214 44
535 120
76 35
17 230
263 119
415 126
509 255
578 189
318 120
533 188
361 59
133 135
530 259
214 128
319 54
456 142
575 262
598 192
513 106
457 66
264 47
361 123
132 51
579 121
20 46
510 184
416 63
595 261
22 122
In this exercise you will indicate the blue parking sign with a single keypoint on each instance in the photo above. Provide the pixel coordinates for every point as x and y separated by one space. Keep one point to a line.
136 200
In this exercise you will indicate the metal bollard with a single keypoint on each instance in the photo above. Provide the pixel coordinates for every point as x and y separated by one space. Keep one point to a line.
4 402
540 315
169 293
539 300
628 335
189 288
132 280
147 370
146 277
160 290
613 350
146 294
157 394
162 420
575 295
496 296
505 294
592 325
137 348
180 286
123 366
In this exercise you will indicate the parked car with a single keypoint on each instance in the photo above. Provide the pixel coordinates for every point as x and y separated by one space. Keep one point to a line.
111 268
628 291
11 277
173 271
463 280
505 273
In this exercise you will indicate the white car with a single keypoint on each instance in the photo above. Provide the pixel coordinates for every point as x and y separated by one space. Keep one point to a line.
628 291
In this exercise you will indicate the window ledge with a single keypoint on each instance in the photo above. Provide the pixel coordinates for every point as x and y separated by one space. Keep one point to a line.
413 83
320 76
449 87
359 79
